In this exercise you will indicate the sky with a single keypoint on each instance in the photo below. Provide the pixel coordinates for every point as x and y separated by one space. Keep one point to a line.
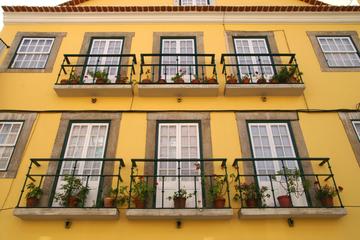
56 2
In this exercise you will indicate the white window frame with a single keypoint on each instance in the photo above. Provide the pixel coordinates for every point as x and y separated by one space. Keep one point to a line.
195 3
341 53
254 60
13 145
355 123
32 54
187 76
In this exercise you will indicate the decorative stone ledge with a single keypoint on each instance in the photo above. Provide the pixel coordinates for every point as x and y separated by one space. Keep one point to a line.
207 214
261 213
66 213
101 90
178 90
238 90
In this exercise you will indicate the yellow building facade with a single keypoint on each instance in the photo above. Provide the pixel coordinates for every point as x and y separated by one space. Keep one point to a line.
219 98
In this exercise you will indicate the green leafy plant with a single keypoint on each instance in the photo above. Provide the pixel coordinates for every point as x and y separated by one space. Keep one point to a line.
178 76
182 193
290 180
33 191
326 191
218 187
141 189
74 78
286 75
72 187
251 192
100 75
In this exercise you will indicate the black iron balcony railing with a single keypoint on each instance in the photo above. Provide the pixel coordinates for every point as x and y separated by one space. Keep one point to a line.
52 183
298 183
161 179
178 68
261 69
97 69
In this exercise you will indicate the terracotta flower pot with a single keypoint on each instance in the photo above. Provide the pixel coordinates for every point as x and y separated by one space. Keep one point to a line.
64 81
179 80
327 202
32 202
261 81
219 203
179 203
162 81
73 202
146 80
100 81
245 80
284 201
108 202
231 80
211 80
139 203
74 82
195 81
251 203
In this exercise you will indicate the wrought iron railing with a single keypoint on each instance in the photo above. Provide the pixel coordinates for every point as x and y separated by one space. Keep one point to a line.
178 68
153 181
305 183
99 176
97 69
261 69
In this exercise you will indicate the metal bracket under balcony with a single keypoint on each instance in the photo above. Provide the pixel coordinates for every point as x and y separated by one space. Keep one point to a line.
261 75
178 75
105 75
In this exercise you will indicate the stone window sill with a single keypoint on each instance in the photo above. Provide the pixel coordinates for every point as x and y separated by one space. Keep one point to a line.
261 213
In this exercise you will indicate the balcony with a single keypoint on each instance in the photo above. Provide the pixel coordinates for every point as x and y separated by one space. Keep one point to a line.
179 189
261 75
105 75
69 189
178 75
302 187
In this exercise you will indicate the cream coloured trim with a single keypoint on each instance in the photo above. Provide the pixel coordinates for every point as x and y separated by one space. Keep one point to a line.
181 17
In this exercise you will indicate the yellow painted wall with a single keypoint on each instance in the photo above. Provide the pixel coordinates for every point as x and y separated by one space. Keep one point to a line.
323 134
324 90
217 3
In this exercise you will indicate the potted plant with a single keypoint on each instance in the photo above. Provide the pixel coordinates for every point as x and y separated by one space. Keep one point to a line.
72 193
147 79
33 195
245 79
178 78
286 75
161 80
217 191
141 190
121 80
260 79
74 78
101 77
211 80
231 79
196 79
291 182
64 81
116 196
251 194
179 198
326 195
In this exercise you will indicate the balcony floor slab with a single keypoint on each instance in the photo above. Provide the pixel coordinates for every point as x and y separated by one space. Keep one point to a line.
66 213
101 90
215 214
238 90
178 90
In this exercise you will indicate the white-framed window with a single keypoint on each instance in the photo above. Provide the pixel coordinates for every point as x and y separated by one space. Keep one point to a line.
356 125
9 133
273 140
32 53
178 141
339 51
104 46
180 46
194 2
253 46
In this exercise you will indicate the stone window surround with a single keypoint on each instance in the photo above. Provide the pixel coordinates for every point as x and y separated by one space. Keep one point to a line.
324 67
268 35
292 118
158 36
206 147
5 66
346 119
111 146
126 47
15 161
